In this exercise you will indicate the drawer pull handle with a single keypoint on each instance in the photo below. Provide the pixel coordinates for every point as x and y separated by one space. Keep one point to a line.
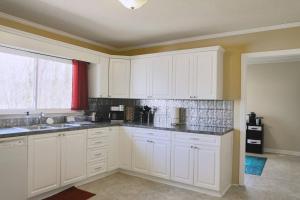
98 168
98 142
98 154
194 138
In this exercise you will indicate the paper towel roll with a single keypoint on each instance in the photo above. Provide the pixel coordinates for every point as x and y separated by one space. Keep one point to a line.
175 115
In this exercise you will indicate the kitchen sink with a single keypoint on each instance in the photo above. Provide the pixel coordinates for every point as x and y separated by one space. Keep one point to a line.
39 127
64 125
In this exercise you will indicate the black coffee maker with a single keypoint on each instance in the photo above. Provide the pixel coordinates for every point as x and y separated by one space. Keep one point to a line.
253 120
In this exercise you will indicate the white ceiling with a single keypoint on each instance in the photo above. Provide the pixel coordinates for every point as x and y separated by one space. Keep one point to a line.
108 22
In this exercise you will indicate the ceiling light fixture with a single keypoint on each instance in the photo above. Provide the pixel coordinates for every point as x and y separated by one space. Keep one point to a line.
133 4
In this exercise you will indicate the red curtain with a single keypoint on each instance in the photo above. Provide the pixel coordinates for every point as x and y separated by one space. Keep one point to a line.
80 85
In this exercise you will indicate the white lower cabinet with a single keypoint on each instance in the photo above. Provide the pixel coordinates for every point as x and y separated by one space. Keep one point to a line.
55 160
113 148
151 155
59 159
43 163
160 153
140 157
182 163
196 165
73 157
206 167
125 148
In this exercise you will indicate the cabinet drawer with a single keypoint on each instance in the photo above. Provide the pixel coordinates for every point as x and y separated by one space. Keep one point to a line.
151 133
97 142
96 154
196 138
94 133
97 168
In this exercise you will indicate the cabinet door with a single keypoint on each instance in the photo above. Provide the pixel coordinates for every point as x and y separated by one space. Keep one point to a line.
161 77
160 153
125 149
43 163
98 78
113 149
205 167
119 78
139 78
204 75
182 76
182 163
73 160
140 155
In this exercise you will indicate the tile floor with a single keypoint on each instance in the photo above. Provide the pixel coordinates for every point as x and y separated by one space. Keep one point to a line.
280 181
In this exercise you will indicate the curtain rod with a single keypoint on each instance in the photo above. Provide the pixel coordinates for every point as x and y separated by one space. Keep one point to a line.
28 51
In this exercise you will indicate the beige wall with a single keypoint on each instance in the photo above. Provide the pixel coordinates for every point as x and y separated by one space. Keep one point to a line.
273 92
233 45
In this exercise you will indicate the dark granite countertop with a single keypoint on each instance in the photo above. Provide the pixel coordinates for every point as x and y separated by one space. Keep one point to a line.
19 131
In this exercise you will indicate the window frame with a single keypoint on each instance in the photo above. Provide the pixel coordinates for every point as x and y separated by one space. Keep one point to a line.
34 110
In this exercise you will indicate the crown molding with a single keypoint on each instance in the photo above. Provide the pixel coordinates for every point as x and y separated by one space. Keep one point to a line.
170 42
214 36
56 31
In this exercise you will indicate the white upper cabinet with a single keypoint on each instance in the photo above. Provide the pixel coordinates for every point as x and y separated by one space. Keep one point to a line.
184 74
161 77
151 77
139 78
207 75
198 75
119 78
98 78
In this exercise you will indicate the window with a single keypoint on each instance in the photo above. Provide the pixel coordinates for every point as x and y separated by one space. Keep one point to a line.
31 81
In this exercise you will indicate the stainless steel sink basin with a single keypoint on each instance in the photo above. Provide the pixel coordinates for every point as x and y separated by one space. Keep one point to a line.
39 127
65 125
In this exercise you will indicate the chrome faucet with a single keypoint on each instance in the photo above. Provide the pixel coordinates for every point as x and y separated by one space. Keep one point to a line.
41 116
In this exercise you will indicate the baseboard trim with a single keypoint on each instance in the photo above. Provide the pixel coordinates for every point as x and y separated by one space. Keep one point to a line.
177 184
280 151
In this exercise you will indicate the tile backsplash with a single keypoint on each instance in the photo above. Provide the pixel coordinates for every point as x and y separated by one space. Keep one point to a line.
217 113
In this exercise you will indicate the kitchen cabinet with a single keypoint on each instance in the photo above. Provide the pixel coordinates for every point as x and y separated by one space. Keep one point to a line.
119 78
161 77
98 78
140 157
55 160
151 77
160 158
73 157
43 163
206 166
113 149
151 154
139 80
196 160
125 149
182 163
198 75
97 151
182 76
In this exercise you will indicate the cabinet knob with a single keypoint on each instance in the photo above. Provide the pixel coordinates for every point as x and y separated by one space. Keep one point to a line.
192 147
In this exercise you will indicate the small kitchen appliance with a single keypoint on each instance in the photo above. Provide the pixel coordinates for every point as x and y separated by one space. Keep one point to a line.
117 114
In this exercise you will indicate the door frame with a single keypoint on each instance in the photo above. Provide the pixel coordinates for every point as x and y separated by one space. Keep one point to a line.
288 55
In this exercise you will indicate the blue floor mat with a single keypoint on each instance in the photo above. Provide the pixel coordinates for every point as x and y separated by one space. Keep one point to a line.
254 165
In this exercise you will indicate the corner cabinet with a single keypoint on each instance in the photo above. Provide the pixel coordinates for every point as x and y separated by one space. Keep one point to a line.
98 78
55 160
119 78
